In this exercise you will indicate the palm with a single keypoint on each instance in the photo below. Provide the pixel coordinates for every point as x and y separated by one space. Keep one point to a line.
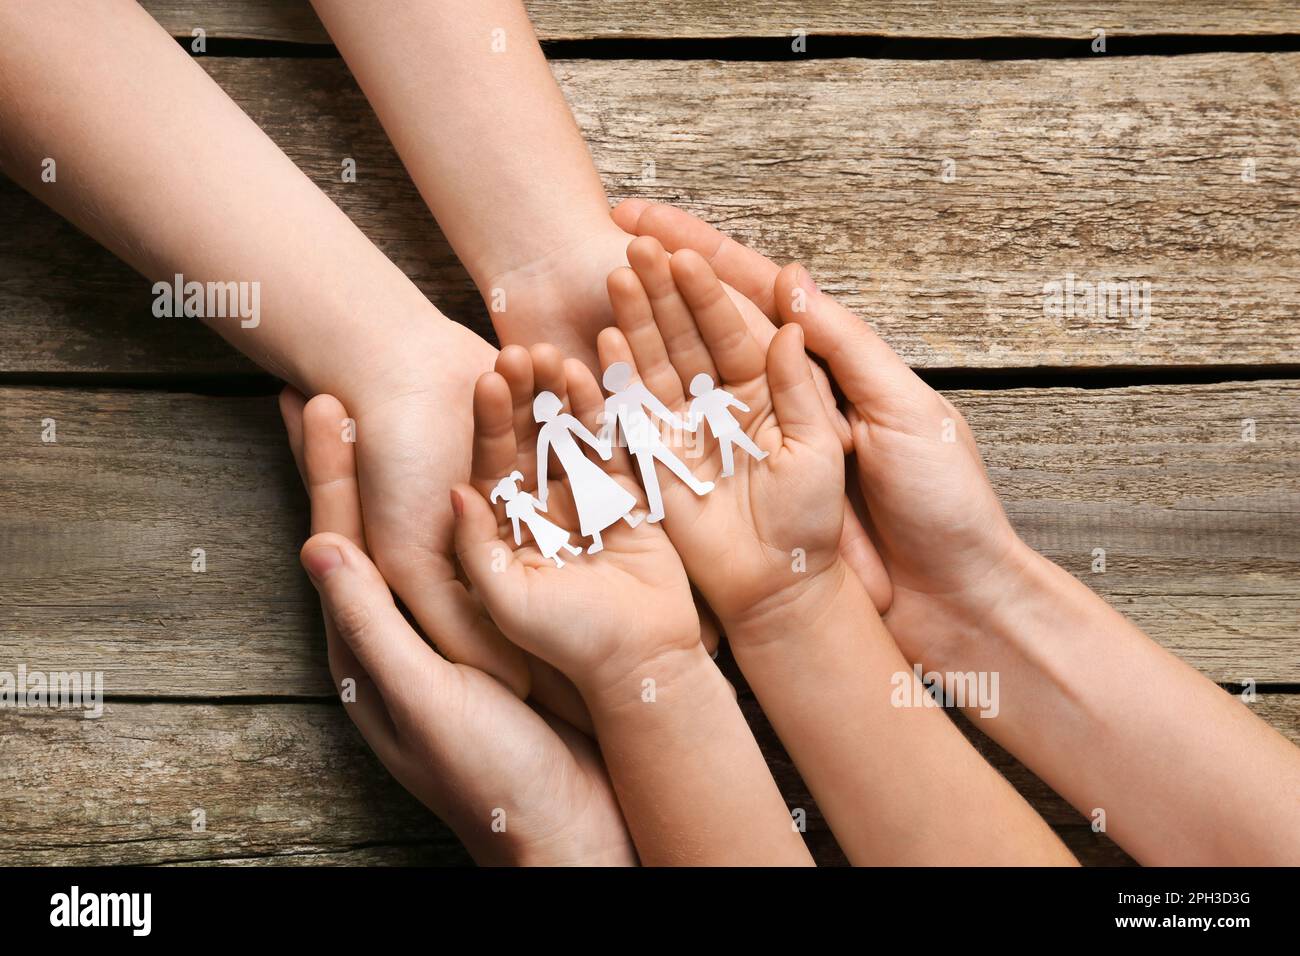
411 448
594 600
755 523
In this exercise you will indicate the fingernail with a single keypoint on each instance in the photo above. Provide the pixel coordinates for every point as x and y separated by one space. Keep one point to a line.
321 561
457 503
806 281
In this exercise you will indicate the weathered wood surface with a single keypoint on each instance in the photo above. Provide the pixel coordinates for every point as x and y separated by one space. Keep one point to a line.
294 20
1121 169
96 531
293 783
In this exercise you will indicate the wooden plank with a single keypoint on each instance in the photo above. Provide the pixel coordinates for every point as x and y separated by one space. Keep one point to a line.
283 783
1114 170
96 531
294 20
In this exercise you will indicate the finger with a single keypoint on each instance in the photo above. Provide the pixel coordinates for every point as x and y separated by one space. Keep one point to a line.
795 399
859 551
585 397
681 337
710 631
626 214
612 347
291 405
863 366
492 568
331 510
636 319
357 599
748 272
736 353
495 453
548 372
331 465
516 365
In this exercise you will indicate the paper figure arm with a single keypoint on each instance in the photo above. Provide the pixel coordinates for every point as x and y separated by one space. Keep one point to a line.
660 410
603 448
734 402
519 535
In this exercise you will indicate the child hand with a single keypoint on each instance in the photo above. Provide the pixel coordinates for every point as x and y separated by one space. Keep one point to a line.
758 517
938 525
596 602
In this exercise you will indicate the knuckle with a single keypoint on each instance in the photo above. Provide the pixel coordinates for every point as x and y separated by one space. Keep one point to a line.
354 620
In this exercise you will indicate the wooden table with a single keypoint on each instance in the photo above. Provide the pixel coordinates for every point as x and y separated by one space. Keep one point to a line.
933 191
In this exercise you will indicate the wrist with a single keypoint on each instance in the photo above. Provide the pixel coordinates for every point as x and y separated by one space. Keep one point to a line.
1018 595
424 353
620 684
797 611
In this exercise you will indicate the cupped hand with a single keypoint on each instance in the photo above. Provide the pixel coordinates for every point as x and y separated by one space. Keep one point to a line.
931 511
599 615
517 784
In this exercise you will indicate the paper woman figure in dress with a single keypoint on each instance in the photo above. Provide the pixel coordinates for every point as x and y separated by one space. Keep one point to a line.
711 404
522 507
600 500
627 408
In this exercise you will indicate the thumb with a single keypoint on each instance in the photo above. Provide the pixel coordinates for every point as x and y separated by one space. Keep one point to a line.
356 599
861 363
489 563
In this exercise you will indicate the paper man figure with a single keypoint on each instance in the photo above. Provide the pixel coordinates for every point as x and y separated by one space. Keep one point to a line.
600 499
522 507
626 408
711 404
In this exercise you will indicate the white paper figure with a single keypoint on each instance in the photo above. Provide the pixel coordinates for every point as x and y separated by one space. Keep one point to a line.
523 507
626 408
711 404
600 500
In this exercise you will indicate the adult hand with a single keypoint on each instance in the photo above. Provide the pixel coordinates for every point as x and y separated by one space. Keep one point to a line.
456 738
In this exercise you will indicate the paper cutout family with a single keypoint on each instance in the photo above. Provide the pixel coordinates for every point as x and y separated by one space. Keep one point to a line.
600 500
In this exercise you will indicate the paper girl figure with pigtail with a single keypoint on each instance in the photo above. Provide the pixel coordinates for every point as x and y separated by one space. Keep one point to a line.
521 507
711 404
599 499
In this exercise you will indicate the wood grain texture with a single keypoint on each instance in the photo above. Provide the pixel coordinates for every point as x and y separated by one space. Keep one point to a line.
1121 169
96 531
294 20
294 784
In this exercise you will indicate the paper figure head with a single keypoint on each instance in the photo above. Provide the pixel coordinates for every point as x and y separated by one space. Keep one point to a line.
701 385
546 406
507 487
617 376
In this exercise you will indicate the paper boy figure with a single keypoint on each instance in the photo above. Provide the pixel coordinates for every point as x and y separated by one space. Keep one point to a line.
711 404
522 507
